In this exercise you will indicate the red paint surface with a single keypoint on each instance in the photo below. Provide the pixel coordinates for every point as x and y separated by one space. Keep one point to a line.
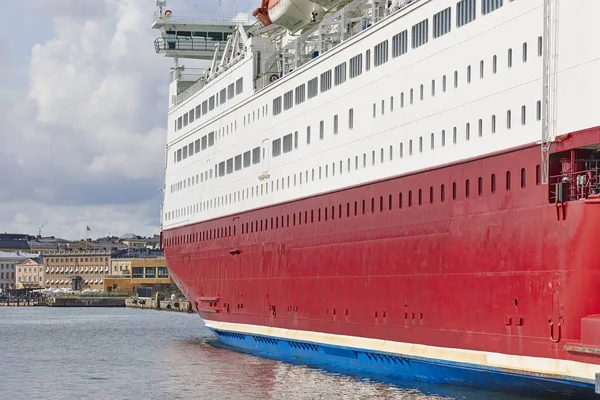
497 271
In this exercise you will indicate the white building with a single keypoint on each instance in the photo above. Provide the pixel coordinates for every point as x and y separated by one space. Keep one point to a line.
8 269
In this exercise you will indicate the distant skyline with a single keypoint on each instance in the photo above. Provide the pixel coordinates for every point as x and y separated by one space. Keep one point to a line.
83 109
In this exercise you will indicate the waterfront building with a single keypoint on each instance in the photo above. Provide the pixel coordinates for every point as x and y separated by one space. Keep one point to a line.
138 272
8 270
30 273
77 269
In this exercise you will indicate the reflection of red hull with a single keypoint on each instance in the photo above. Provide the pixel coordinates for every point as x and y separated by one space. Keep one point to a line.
492 271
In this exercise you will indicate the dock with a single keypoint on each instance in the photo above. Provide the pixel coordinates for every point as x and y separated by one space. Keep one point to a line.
72 301
163 305
15 302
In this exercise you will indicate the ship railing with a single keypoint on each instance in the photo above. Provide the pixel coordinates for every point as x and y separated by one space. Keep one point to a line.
578 185
188 74
183 15
187 43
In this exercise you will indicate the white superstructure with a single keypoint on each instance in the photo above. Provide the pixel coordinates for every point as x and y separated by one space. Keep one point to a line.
366 92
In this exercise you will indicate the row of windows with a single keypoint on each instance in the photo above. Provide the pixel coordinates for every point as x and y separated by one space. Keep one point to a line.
465 10
209 104
278 147
410 198
290 141
444 82
245 160
194 147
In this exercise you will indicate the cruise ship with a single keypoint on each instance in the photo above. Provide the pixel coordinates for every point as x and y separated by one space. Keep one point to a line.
404 189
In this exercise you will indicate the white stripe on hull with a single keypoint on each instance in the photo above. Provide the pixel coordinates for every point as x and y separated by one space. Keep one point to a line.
538 365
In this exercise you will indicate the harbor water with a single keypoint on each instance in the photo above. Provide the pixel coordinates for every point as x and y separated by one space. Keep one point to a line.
110 353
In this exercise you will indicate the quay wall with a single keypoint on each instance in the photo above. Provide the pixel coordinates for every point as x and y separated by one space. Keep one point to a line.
87 302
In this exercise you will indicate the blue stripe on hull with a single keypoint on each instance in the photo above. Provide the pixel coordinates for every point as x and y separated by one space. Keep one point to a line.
390 367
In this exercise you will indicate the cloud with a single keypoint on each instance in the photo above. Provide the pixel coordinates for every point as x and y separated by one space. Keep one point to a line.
87 140
83 137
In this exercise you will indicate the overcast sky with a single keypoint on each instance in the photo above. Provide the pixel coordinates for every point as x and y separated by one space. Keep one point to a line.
83 106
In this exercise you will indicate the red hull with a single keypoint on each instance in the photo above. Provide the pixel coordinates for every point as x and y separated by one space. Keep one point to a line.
485 266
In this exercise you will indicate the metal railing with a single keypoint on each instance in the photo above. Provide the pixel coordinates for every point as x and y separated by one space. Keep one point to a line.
188 74
187 44
576 185
182 15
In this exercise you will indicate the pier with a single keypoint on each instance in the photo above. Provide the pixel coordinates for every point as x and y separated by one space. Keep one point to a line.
163 305
72 301
18 302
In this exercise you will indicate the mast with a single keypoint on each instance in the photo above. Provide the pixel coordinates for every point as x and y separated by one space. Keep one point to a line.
550 75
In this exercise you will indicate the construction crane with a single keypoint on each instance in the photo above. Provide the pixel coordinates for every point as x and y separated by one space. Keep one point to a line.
40 229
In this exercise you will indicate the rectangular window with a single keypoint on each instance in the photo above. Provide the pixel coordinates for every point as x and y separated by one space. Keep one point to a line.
538 112
465 12
487 6
185 152
355 66
197 146
198 111
179 122
508 119
276 151
523 115
442 22
420 33
179 155
230 91
238 162
335 124
287 143
288 100
322 130
300 94
493 124
247 159
204 107
239 86
191 114
340 74
211 103
223 96
277 105
221 170
381 53
191 149
525 52
185 119
256 155
399 44
308 135
230 166
313 88
351 119
325 81
368 60
211 139
204 142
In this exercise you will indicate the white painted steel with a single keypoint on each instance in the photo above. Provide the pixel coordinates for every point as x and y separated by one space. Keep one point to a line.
488 36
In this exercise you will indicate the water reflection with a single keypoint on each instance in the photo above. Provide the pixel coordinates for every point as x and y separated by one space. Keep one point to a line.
141 354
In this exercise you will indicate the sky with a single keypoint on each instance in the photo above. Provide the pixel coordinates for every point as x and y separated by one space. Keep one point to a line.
83 110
